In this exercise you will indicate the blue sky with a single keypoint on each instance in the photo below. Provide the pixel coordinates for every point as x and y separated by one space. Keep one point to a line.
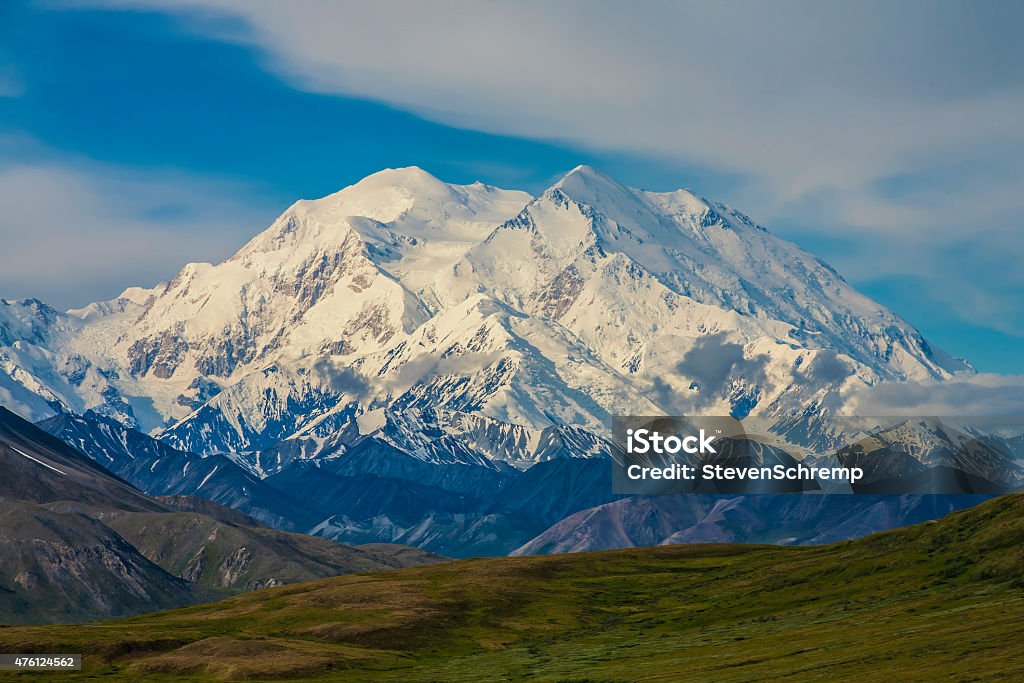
886 138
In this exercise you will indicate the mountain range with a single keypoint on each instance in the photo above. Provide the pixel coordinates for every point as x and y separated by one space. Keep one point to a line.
414 361
404 292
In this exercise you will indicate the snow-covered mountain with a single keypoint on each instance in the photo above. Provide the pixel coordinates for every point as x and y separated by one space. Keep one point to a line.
402 302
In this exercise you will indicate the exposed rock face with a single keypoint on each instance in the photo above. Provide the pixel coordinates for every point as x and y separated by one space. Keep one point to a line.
196 567
160 355
59 566
236 564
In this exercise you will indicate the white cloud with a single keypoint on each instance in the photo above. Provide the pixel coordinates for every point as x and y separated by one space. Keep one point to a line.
74 231
984 394
815 105
797 95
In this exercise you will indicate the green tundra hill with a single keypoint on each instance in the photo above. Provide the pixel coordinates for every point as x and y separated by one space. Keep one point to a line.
942 600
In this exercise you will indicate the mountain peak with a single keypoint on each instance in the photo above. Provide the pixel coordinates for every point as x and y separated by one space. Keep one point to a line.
586 171
404 176
589 187
414 197
587 180
393 186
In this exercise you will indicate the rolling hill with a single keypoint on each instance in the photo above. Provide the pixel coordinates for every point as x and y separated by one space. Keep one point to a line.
80 543
939 600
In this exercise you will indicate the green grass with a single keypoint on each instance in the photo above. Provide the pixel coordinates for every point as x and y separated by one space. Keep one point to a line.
940 600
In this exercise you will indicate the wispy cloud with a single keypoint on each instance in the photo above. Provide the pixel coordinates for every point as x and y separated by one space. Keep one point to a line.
75 231
984 394
824 109
801 96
